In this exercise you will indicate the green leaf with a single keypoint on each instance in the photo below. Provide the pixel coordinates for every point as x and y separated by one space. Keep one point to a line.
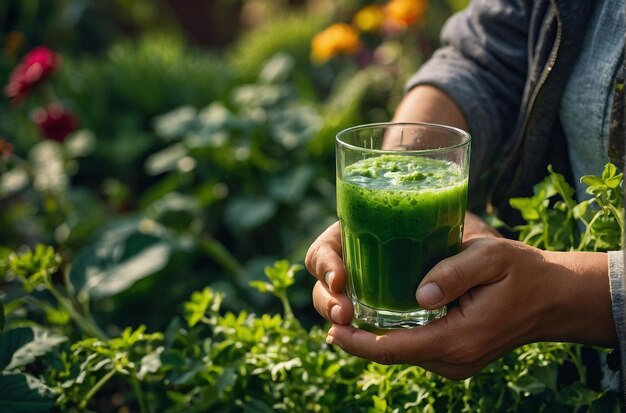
165 160
282 274
262 286
226 380
615 181
34 267
20 346
293 126
175 123
277 69
529 207
245 213
121 257
577 394
80 143
591 180
609 171
47 167
291 187
546 375
580 210
562 187
200 303
527 385
380 404
24 394
150 363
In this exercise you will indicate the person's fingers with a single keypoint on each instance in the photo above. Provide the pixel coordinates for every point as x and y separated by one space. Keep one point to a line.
410 346
323 259
432 347
333 307
482 261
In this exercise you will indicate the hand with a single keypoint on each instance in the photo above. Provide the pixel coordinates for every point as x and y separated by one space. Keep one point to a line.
324 260
509 294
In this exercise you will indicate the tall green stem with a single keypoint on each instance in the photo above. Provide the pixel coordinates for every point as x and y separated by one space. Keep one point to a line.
139 393
87 327
217 251
96 388
286 306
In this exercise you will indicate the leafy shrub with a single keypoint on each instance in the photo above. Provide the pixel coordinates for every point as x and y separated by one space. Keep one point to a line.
208 359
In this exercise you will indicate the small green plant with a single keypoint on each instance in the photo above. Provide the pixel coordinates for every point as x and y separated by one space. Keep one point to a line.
553 218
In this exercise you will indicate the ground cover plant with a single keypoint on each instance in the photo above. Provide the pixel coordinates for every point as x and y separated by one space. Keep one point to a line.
54 355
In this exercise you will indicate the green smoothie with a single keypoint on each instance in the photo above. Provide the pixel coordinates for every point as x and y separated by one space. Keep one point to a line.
399 215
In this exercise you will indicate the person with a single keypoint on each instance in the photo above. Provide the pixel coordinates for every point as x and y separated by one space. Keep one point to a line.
535 83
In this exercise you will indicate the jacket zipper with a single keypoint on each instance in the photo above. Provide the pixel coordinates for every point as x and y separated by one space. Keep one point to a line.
547 69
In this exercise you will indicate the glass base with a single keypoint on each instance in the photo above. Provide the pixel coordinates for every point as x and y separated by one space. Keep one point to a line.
395 319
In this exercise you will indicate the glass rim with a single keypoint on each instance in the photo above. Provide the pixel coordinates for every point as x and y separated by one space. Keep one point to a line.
465 142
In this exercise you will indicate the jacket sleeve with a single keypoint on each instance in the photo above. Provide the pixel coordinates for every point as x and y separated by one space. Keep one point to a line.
618 302
482 65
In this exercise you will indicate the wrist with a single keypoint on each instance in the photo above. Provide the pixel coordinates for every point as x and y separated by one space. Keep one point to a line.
580 305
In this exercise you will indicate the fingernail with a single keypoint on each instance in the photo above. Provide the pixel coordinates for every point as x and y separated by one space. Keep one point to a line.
328 278
334 314
429 294
330 340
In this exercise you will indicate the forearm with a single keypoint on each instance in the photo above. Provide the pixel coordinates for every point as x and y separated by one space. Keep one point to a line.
582 298
428 104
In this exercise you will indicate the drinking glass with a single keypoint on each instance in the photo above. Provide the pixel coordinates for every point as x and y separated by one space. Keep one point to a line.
401 201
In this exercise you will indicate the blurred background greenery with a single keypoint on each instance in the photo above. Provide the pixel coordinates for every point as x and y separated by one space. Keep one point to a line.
203 148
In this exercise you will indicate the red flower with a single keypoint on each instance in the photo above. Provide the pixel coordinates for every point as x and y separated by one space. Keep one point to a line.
54 122
36 66
6 149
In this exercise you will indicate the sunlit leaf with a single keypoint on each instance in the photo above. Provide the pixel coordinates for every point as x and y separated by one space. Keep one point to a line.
48 169
277 68
176 123
580 210
21 346
121 257
282 274
200 303
80 143
610 170
165 160
150 363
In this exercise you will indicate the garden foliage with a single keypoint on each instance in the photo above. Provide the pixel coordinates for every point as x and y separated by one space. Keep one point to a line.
209 359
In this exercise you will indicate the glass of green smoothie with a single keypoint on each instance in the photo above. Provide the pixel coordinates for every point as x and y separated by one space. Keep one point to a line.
401 200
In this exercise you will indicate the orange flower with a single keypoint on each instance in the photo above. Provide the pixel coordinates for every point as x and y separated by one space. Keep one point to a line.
369 18
406 12
336 39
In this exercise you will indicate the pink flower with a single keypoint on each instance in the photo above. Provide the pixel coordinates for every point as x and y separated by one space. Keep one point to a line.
55 122
36 66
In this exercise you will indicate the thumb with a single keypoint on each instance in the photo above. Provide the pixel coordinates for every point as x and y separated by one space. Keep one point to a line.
479 263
